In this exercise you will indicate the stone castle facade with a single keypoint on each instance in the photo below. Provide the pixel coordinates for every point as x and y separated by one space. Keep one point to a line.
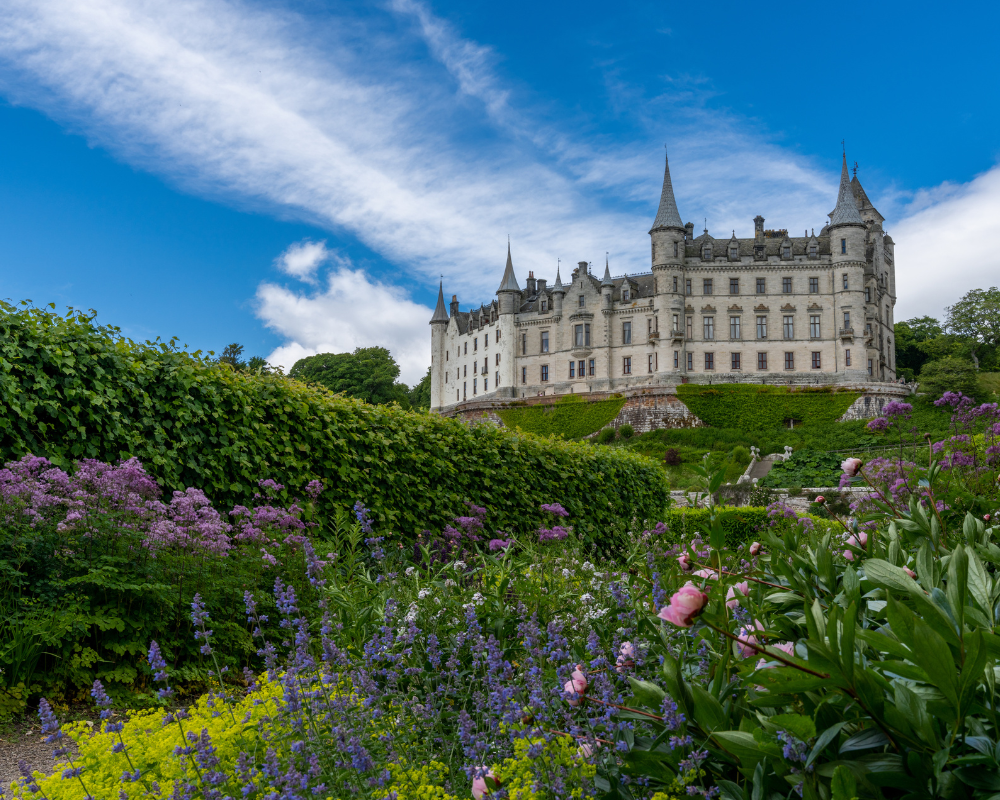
773 308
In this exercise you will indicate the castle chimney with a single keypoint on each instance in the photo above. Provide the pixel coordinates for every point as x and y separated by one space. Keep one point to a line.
454 304
541 285
531 284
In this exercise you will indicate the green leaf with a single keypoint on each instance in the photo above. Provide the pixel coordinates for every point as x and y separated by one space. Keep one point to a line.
744 747
866 739
933 656
843 785
824 739
887 576
708 711
980 585
647 694
799 725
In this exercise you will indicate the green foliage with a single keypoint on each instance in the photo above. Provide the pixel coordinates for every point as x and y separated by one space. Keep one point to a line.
607 436
949 375
910 335
989 383
761 408
626 431
976 318
571 416
420 394
71 389
805 468
740 455
741 525
369 374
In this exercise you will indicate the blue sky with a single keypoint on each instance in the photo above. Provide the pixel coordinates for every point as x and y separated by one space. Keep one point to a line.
295 176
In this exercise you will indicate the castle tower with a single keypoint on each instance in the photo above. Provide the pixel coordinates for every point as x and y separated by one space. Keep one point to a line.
439 326
847 254
669 237
558 292
509 295
509 292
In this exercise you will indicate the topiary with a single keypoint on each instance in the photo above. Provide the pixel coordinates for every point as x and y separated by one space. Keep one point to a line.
740 455
607 436
672 457
626 431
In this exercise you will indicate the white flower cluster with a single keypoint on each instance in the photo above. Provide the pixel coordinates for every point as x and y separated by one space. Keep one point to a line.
423 593
566 573
411 613
459 565
410 571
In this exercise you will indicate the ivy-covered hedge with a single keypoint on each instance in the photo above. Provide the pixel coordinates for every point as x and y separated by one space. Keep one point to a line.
740 524
759 408
805 468
571 416
71 389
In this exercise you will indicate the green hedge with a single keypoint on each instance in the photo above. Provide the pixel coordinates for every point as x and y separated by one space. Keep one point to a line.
71 389
805 468
758 408
740 524
571 416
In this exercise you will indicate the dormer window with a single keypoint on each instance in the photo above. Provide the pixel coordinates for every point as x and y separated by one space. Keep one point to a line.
734 252
544 306
813 250
786 252
625 295
706 252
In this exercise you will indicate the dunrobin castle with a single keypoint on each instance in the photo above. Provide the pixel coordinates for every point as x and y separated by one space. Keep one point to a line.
772 308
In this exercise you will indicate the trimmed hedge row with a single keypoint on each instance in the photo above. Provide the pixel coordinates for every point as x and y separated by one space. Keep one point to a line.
571 416
758 408
740 524
72 389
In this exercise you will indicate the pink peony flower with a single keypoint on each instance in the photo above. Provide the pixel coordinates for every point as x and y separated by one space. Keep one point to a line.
986 517
820 499
482 787
684 560
686 604
851 466
742 588
755 548
626 655
576 686
707 574
788 648
910 572
745 640
860 542
586 749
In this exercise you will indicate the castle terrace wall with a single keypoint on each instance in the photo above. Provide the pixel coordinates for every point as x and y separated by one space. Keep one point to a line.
651 408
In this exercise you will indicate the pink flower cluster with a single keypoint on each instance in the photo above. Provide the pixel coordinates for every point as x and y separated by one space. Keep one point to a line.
685 604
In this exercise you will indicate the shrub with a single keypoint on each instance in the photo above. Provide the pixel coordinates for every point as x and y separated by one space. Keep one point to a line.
570 416
762 408
672 457
607 436
626 431
805 468
71 389
949 374
740 455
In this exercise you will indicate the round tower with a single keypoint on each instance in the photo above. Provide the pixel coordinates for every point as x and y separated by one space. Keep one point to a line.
439 327
667 240
847 255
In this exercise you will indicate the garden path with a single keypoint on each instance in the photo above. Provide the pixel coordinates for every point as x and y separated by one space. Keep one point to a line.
23 740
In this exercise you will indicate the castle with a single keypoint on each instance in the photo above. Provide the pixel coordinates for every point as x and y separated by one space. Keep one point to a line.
773 309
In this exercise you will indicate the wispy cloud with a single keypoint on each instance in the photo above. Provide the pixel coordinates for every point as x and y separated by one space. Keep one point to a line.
302 259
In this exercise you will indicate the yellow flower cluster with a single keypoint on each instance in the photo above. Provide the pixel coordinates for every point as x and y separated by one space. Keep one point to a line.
418 783
150 749
520 775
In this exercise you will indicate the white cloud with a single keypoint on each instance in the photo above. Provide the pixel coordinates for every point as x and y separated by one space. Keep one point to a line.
301 259
352 311
946 244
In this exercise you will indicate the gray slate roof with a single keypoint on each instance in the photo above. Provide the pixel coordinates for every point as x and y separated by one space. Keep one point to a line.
667 215
846 212
441 311
509 281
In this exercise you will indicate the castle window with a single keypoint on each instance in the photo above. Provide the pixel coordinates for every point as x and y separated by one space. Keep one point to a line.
545 373
496 379
524 374
734 328
813 251
761 285
677 326
625 294
457 398
761 360
844 277
788 325
524 344
651 359
583 364
706 286
578 335
687 286
887 315
690 362
572 369
786 252
675 252
544 308
465 389
814 326
486 384
734 252
465 370
789 360
734 286
817 360
497 364
761 327
706 252
474 382
847 358
582 301
626 333
786 285
446 354
586 335
466 348
675 284
870 367
690 327
868 294
843 246
847 320
475 344
627 365
709 324
592 367
676 357
814 286
497 337
734 361
709 361
545 341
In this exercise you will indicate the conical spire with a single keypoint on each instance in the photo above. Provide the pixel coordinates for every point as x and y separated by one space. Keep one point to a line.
667 215
440 312
557 286
846 212
509 282
606 280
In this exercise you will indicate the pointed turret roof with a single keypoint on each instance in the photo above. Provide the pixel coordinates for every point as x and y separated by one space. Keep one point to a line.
667 215
440 312
557 286
606 280
509 281
865 206
846 212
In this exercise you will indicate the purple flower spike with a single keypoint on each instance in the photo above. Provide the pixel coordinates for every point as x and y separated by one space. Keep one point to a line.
555 508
